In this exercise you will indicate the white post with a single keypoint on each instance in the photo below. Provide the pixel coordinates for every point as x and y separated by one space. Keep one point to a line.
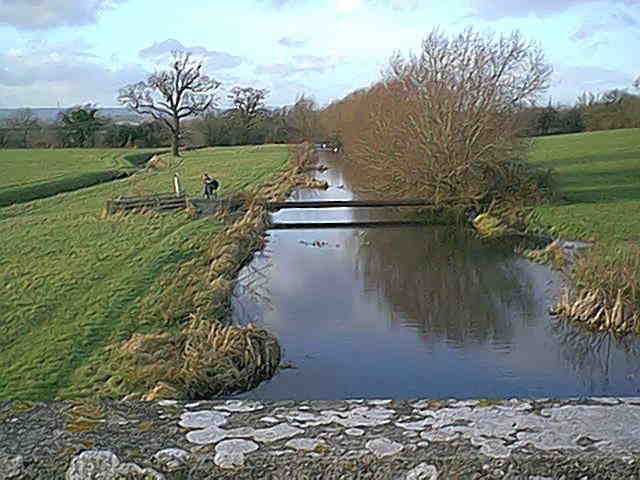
176 185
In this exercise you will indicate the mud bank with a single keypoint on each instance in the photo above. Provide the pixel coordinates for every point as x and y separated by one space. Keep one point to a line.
419 439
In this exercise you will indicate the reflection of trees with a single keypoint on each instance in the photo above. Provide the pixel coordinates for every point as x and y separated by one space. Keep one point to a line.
251 295
593 355
445 282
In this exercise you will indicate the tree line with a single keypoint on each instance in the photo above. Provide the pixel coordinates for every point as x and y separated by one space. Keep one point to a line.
180 105
83 127
612 109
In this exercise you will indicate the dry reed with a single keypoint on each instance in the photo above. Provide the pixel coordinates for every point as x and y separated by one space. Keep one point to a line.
606 292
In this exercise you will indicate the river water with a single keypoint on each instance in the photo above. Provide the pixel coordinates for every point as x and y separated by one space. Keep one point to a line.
406 312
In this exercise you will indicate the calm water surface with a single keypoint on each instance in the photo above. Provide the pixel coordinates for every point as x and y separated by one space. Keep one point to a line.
405 312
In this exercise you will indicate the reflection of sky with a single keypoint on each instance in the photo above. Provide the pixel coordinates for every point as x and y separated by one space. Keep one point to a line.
348 338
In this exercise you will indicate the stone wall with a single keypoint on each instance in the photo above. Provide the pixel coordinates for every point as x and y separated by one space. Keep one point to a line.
422 439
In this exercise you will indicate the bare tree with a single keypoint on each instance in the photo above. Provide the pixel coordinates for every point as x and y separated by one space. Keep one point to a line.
247 114
442 123
24 121
248 102
303 120
170 96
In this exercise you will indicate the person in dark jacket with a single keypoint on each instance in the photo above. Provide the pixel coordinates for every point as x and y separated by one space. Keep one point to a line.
210 186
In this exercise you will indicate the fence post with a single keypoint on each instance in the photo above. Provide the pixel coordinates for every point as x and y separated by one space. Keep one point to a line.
176 185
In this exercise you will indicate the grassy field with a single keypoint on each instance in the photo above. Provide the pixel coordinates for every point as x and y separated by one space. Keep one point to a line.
38 173
72 282
599 175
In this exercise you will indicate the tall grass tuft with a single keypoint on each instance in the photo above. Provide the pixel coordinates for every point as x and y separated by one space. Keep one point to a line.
224 359
606 291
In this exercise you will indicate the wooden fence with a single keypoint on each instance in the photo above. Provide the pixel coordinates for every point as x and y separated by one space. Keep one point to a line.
159 201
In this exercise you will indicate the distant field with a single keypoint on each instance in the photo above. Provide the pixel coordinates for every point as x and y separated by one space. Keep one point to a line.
28 174
599 173
72 282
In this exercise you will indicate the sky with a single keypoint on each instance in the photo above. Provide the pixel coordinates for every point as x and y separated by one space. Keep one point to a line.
69 52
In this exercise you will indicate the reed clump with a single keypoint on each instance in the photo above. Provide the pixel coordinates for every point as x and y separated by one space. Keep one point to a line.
606 291
490 226
225 359
204 360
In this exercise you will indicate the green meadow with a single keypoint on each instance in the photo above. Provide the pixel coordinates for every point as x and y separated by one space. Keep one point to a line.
598 173
73 281
38 173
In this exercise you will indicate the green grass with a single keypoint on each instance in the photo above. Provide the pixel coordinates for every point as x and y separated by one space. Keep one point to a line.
38 173
599 175
72 283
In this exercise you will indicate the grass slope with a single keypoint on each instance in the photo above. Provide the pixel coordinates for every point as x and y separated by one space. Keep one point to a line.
599 174
71 282
38 173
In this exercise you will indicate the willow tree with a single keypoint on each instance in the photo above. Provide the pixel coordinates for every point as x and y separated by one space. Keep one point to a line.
442 123
172 95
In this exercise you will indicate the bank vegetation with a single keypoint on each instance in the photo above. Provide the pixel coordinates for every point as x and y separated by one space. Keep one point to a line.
452 123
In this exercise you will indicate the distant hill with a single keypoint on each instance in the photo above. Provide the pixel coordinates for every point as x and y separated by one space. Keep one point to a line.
50 114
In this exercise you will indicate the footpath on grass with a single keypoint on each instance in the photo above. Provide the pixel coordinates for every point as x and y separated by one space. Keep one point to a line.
595 438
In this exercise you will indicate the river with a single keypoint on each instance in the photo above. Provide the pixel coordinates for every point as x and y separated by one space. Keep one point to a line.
415 311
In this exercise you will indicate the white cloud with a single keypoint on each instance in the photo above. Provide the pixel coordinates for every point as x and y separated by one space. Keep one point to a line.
347 6
41 74
570 81
46 14
302 64
615 22
493 9
291 42
160 52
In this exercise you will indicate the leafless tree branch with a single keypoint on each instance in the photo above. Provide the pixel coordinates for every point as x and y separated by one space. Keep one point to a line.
171 95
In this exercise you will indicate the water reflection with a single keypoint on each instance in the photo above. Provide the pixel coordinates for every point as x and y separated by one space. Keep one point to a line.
416 312
599 360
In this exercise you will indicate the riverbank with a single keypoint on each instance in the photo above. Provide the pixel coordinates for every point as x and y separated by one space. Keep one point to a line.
355 439
204 355
414 312
598 178
97 280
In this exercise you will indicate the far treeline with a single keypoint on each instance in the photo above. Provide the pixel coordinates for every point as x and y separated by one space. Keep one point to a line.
248 122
